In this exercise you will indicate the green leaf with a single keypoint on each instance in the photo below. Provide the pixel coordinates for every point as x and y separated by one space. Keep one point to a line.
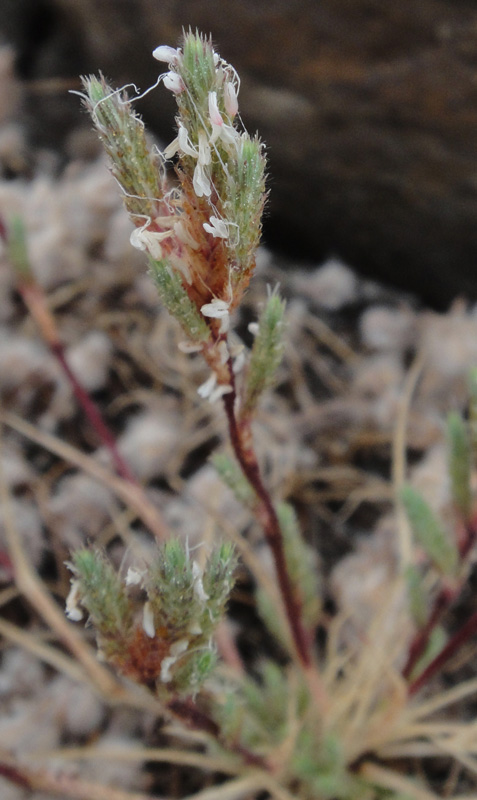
244 199
321 766
473 412
187 600
178 302
429 533
133 163
301 564
17 249
267 609
437 641
233 477
459 463
102 593
267 352
418 600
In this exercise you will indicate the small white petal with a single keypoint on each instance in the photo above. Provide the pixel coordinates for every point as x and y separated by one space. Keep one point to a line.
239 362
171 148
194 628
223 351
153 247
134 576
176 650
184 142
204 149
201 182
74 614
165 53
214 113
224 323
72 611
198 585
219 392
179 647
217 308
230 99
136 239
217 227
254 328
174 82
166 665
229 134
148 620
149 240
208 386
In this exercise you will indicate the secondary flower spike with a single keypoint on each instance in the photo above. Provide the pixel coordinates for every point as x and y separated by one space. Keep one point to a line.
200 232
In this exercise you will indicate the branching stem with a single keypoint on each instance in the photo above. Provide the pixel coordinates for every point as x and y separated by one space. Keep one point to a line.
420 643
445 654
442 603
241 440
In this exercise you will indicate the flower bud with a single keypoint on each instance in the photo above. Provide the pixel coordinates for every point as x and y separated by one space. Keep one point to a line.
169 55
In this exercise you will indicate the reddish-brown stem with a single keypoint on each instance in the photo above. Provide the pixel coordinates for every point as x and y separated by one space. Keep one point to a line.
34 300
241 441
469 527
93 414
196 719
193 717
445 654
12 774
419 644
445 598
59 784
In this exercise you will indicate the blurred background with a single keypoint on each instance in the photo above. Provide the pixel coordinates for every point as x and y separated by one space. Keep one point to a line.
368 109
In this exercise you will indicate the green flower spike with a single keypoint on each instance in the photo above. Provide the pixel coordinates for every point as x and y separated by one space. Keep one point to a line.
156 624
201 233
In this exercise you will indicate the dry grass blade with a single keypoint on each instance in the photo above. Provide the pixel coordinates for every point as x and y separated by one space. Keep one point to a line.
33 589
247 786
131 494
395 782
8 594
328 337
152 754
368 693
62 663
62 786
44 652
442 700
232 790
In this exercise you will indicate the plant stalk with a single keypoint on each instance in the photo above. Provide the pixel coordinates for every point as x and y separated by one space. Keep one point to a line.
34 300
445 654
419 644
241 440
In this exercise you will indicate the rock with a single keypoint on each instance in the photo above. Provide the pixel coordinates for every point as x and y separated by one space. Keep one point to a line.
369 110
